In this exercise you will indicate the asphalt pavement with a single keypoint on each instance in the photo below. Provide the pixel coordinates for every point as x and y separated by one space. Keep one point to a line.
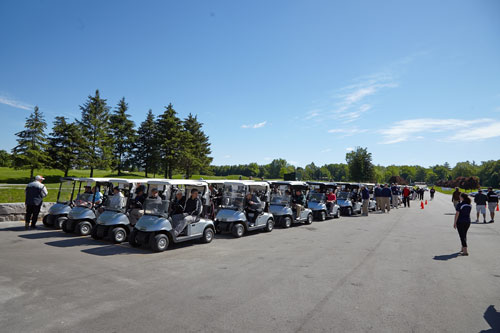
395 272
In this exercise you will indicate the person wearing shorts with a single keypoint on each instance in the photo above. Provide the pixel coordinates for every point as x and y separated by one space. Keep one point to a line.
480 199
492 203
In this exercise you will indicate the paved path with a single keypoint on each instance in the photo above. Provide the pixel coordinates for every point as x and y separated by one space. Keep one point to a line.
396 272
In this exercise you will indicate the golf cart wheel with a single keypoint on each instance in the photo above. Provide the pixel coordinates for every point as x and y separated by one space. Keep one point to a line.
94 234
159 243
132 240
208 235
322 215
59 222
309 219
45 221
338 214
84 228
118 235
269 225
287 222
238 230
349 211
65 227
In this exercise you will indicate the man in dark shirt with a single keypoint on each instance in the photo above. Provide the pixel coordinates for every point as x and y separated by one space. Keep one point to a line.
298 202
492 203
480 199
386 198
136 205
395 195
252 205
365 196
178 203
377 193
192 212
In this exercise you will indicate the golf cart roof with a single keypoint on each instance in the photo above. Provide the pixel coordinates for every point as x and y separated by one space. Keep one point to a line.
247 182
97 180
215 181
128 181
65 179
323 183
177 182
290 182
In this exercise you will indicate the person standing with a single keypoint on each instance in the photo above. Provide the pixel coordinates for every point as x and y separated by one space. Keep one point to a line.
406 196
34 192
492 203
377 193
365 196
462 220
395 195
386 198
432 191
480 199
421 193
455 197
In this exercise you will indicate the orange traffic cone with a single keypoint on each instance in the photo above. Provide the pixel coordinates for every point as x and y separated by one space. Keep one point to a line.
426 202
498 209
421 205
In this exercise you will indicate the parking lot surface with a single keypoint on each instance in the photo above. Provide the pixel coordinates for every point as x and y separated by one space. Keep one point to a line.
396 272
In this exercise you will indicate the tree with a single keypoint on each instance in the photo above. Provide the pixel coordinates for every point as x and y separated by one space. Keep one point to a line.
123 134
5 159
146 150
195 147
421 174
360 165
463 169
94 126
169 139
441 171
30 152
431 177
64 144
311 172
275 167
339 171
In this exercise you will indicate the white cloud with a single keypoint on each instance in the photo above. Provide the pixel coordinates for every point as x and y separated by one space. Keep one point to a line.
15 104
349 149
258 125
227 156
347 131
470 130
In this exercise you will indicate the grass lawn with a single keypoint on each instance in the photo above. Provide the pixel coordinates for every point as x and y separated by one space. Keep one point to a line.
450 191
15 193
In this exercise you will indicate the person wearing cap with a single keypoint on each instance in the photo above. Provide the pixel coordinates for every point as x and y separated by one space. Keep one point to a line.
492 203
116 200
155 195
136 205
34 192
480 199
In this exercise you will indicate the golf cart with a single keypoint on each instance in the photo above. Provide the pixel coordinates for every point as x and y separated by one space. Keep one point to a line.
231 216
348 200
281 203
216 189
114 222
156 227
82 217
316 200
59 212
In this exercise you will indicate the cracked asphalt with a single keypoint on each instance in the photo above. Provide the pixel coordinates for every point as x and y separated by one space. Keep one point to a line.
396 272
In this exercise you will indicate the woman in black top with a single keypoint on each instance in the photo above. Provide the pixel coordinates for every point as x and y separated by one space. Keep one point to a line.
462 220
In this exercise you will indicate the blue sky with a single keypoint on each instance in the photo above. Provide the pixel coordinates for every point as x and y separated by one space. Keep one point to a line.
414 82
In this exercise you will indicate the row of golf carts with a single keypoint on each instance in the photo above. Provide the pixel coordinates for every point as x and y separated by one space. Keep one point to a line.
108 208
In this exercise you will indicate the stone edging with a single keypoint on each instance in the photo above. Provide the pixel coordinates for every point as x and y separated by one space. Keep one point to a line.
16 211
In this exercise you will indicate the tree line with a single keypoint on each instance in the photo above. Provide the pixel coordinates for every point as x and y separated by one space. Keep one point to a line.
108 139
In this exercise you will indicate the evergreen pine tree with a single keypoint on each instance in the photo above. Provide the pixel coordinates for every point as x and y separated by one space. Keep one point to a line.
30 152
123 135
64 144
146 152
169 139
195 147
94 126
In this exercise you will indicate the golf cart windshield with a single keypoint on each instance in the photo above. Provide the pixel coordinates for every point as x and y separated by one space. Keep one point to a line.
343 195
84 199
317 197
280 195
233 196
65 192
155 207
115 202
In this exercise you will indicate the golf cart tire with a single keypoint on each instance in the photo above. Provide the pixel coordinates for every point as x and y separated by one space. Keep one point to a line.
59 222
269 225
64 227
84 228
94 234
238 230
322 215
132 239
287 222
208 235
46 222
159 242
309 219
118 235
349 211
336 216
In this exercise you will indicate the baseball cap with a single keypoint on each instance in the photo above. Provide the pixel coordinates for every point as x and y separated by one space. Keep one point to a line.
38 177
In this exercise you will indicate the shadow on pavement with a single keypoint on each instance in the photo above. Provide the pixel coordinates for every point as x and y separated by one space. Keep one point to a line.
73 241
111 250
492 317
446 256
50 234
449 213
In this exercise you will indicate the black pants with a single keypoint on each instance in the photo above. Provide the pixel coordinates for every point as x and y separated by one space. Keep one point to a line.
462 228
256 213
32 212
406 201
